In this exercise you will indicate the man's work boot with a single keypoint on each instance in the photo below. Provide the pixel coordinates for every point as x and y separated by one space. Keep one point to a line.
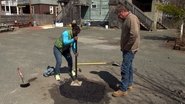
119 93
130 87
57 77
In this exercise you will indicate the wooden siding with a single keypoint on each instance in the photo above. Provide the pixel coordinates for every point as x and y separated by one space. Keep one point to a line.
41 9
41 19
99 9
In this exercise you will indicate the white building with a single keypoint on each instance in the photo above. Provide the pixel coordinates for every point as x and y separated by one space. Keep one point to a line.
9 7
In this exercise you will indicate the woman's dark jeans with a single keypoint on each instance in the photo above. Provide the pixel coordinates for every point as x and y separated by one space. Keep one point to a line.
58 56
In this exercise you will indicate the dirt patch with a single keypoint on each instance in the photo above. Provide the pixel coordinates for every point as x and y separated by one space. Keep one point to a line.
89 92
174 44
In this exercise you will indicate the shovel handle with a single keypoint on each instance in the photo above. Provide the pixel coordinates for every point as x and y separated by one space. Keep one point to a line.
76 58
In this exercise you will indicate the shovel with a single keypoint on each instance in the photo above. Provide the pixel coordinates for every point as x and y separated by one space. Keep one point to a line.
76 82
23 84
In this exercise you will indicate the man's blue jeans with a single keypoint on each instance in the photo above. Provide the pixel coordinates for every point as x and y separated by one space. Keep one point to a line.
126 70
58 56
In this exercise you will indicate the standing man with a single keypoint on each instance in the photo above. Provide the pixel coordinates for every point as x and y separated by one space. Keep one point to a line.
130 39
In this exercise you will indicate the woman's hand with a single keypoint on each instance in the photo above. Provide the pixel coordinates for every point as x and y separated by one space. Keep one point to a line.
76 54
76 38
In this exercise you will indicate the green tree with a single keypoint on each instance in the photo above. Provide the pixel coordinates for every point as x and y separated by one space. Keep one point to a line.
172 10
175 12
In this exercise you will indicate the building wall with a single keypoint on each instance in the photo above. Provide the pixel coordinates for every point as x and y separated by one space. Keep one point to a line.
85 2
85 12
89 10
151 13
85 9
41 9
8 7
41 19
52 2
40 6
99 10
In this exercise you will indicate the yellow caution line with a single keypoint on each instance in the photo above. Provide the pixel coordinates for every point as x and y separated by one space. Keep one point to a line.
92 63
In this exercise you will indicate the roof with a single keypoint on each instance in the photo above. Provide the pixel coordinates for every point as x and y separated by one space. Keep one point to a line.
113 2
24 2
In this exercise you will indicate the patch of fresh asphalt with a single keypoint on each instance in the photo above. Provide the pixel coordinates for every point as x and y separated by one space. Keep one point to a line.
158 79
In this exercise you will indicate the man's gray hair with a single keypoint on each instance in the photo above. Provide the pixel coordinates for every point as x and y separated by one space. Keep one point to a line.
121 7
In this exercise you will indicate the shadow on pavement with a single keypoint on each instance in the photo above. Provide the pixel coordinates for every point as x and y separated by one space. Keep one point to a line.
168 38
108 78
64 69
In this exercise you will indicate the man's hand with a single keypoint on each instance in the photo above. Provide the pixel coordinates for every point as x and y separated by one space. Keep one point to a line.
135 52
76 38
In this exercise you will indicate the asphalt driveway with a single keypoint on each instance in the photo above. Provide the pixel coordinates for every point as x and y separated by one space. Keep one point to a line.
159 70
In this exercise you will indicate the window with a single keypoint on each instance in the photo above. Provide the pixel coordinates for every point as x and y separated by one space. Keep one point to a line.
32 10
144 5
51 9
56 11
93 6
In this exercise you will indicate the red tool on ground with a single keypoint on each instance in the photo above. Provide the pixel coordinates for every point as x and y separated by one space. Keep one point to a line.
23 84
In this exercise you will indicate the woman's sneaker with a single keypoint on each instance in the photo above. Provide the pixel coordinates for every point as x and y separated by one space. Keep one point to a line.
57 77
72 74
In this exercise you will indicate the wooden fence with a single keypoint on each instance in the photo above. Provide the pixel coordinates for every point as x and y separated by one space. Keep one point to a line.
40 19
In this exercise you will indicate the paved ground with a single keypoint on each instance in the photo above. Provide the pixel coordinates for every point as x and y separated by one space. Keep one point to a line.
159 70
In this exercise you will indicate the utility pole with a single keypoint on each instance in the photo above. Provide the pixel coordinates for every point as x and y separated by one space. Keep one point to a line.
30 6
0 7
9 6
31 18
